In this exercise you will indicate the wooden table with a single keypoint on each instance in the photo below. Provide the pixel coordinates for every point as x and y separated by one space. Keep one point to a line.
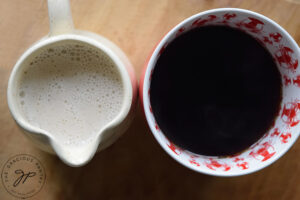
135 167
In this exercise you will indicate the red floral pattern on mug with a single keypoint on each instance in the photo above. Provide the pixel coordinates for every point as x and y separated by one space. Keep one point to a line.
174 148
251 24
265 152
201 22
285 59
213 164
285 137
289 113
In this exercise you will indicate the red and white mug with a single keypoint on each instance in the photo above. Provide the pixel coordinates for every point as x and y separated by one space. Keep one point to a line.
286 129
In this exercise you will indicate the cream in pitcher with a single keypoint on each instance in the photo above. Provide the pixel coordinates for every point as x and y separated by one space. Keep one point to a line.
71 90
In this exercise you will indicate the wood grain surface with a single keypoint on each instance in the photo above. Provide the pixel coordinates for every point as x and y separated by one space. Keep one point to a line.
135 167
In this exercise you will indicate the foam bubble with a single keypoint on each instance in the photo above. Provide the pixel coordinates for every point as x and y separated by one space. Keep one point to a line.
22 93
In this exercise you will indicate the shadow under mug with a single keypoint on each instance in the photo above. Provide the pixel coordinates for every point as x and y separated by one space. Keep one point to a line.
285 131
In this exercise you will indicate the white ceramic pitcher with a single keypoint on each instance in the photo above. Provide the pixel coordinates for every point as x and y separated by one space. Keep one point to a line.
61 29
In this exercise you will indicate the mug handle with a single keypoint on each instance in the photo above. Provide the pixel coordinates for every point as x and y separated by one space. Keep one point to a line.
60 17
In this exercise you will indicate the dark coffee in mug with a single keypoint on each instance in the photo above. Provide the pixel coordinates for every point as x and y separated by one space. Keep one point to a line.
215 91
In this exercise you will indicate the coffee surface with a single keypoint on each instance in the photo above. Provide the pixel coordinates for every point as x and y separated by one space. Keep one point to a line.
71 90
215 91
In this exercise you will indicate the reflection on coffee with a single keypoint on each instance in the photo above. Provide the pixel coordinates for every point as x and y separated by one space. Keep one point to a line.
215 91
70 89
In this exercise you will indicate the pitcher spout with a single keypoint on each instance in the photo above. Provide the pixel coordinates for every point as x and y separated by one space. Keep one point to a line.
75 156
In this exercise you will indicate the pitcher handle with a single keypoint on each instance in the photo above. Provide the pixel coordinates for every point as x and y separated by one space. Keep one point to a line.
60 17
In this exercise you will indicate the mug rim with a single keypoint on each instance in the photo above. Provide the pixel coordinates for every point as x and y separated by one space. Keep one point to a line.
50 40
150 65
